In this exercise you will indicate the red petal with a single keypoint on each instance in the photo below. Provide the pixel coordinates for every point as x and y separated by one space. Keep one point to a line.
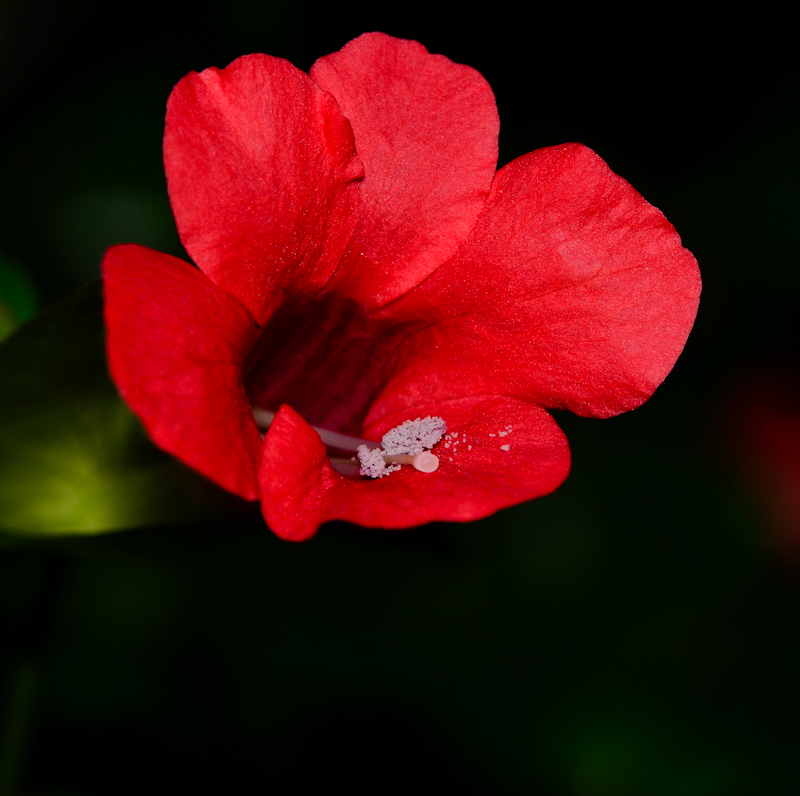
300 490
426 130
260 167
572 291
295 477
176 343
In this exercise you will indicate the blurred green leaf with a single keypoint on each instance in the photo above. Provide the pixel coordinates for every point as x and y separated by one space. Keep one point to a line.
75 460
17 296
8 320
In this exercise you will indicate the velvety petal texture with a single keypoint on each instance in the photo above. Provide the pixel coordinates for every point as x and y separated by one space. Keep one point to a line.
360 264
176 344
479 473
426 131
571 292
263 179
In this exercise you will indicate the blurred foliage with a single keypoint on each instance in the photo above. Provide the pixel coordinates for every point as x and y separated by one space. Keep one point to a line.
566 646
632 635
75 459
18 300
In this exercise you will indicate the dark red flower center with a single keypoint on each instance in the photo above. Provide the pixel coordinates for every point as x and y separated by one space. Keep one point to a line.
325 358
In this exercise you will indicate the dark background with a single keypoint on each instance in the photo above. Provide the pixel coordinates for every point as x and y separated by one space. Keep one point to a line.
634 633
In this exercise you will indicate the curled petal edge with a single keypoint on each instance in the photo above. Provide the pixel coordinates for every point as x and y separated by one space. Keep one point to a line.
480 472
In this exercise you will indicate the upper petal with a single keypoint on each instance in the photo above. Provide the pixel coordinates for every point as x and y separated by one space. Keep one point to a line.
176 344
261 173
476 477
426 130
571 292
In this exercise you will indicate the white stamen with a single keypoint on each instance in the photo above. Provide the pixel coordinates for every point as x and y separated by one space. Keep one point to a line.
373 463
407 443
415 436
332 439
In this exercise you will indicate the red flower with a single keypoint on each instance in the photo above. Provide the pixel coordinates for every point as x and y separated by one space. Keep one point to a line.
360 264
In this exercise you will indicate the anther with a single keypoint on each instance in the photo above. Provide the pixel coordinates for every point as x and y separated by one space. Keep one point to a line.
404 444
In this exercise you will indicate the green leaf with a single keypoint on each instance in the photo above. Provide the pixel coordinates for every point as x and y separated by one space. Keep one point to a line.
17 289
74 459
17 296
8 320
